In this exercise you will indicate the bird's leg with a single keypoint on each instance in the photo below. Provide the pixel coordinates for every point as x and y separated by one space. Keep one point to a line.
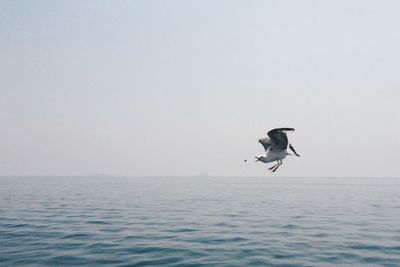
274 170
274 165
280 163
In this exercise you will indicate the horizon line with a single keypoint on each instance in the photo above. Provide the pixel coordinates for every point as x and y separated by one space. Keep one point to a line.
194 176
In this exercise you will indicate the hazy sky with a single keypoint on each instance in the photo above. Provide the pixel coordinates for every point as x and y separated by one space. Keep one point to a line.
188 87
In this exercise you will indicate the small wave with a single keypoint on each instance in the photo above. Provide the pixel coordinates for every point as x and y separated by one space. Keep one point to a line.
75 236
97 222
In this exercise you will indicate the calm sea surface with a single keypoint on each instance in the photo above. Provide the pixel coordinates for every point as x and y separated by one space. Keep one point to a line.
195 221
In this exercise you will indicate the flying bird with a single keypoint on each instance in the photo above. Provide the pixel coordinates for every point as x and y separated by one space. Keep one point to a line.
275 145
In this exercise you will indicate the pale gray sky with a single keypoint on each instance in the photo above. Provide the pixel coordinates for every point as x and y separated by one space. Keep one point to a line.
187 87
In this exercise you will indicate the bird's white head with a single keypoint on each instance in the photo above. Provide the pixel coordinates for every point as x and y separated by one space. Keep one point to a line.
261 158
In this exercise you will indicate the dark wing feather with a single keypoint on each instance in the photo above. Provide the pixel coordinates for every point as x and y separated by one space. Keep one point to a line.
266 143
294 151
279 137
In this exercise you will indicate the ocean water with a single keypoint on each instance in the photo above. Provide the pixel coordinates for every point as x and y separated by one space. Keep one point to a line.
199 221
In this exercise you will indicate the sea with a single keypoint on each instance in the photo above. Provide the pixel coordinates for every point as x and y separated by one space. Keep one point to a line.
199 221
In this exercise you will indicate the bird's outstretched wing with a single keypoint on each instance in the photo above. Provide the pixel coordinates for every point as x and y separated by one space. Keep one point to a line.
266 143
279 137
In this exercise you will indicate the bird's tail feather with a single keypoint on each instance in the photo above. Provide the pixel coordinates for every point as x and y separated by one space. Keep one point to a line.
294 151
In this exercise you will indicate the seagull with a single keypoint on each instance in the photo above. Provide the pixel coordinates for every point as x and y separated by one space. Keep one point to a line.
275 145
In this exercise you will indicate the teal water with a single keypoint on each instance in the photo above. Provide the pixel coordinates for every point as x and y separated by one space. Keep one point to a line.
196 221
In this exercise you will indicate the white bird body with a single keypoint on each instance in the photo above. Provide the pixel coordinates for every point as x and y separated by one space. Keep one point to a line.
273 156
275 146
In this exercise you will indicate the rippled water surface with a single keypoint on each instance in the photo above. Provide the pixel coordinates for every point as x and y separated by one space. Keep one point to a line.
194 221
